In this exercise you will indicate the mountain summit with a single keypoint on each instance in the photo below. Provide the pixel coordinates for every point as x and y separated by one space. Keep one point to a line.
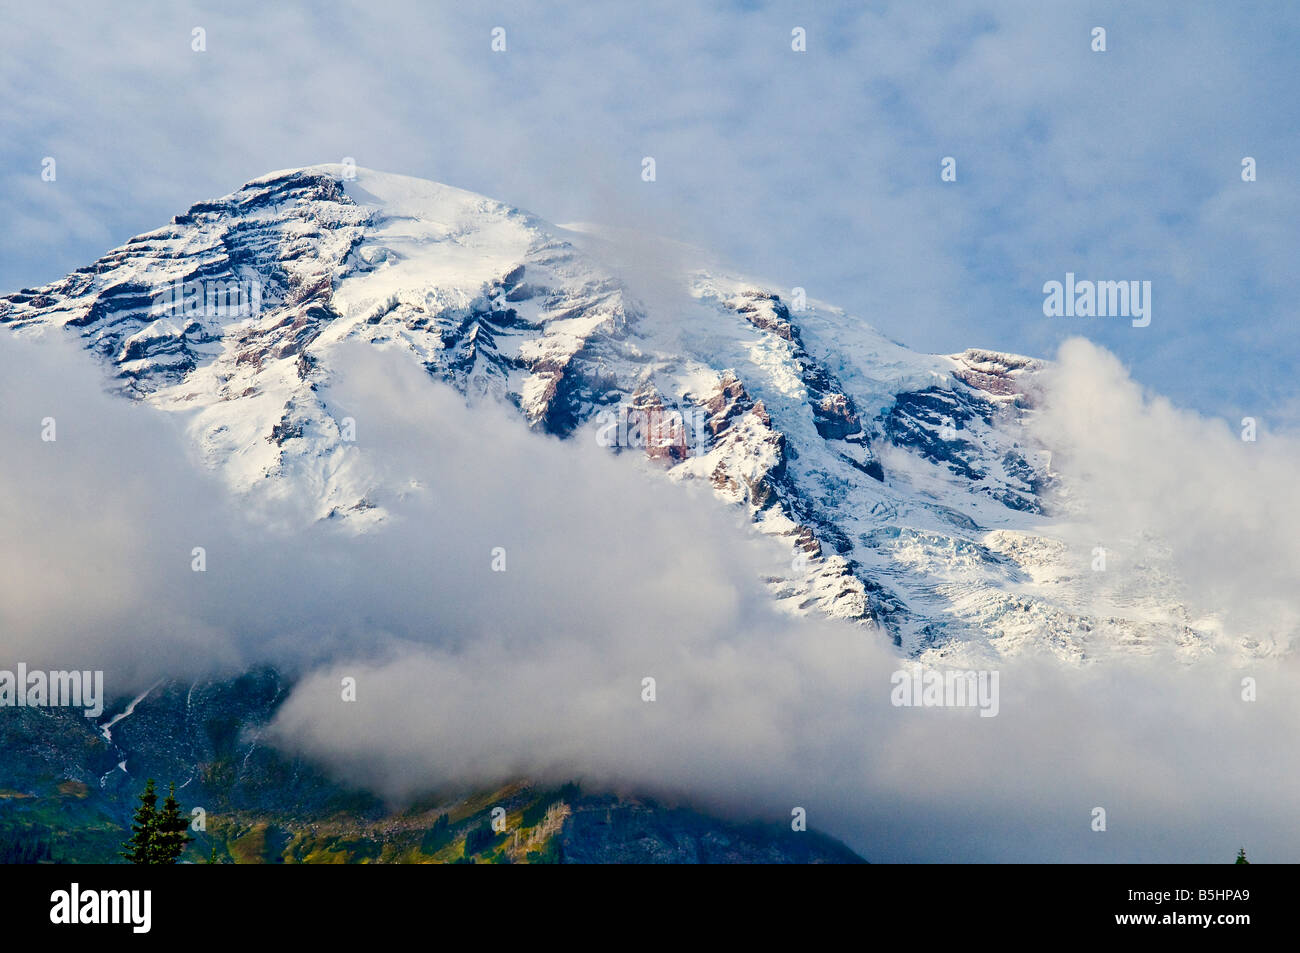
907 488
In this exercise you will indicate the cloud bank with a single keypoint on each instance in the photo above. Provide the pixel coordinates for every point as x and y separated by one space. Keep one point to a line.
467 676
1203 506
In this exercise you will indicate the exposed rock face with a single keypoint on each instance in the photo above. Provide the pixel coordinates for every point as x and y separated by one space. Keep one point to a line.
663 430
264 259
750 453
999 374
832 409
951 428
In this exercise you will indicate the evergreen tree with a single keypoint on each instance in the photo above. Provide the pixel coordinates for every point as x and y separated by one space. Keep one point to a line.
172 832
140 848
158 836
1241 856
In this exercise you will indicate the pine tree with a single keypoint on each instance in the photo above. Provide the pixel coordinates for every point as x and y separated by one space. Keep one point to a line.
157 836
140 848
172 831
1241 856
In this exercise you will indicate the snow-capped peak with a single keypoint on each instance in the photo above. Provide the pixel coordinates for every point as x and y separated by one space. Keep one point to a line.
905 487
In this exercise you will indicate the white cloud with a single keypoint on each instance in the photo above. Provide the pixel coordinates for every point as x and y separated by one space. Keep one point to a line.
466 675
1165 486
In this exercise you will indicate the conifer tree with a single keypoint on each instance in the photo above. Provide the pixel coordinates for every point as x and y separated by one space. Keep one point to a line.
172 832
1241 856
140 848
158 836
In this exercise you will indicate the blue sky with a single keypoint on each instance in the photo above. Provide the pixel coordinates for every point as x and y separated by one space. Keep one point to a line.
817 169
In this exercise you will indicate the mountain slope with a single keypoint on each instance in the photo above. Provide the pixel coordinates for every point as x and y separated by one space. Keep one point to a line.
65 786
907 489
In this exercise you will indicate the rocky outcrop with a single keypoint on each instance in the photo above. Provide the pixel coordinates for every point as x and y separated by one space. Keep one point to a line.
255 268
836 417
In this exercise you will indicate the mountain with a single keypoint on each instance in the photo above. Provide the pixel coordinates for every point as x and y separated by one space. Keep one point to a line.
911 492
68 787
